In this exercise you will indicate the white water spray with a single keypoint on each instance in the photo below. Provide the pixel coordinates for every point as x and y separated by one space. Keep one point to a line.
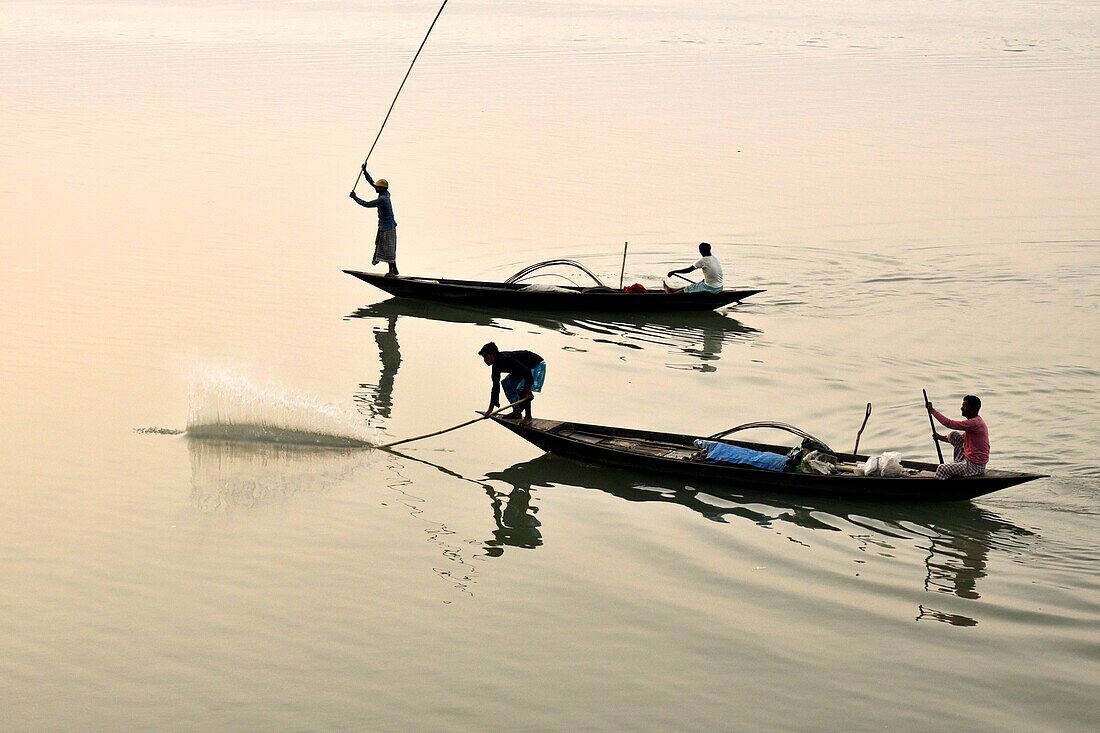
227 406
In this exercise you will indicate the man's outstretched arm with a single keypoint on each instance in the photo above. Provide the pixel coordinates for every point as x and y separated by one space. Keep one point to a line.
361 202
947 422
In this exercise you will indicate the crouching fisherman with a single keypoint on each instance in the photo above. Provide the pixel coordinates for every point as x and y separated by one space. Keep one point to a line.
971 445
526 372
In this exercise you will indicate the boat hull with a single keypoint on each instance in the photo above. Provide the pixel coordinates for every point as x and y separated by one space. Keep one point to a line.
512 295
667 453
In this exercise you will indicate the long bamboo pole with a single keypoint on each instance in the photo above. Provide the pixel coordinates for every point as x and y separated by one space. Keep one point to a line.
456 427
402 86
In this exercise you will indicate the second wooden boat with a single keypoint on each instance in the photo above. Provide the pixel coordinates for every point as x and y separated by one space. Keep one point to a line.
675 454
514 293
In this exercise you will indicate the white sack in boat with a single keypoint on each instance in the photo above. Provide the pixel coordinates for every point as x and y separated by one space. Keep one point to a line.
887 464
890 464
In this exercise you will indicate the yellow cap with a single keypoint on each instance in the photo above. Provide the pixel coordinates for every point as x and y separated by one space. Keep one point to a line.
382 183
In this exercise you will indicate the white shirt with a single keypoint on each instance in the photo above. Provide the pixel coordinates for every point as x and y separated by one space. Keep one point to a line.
712 270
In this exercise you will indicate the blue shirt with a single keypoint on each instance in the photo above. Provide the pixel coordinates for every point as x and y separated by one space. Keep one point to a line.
513 362
385 210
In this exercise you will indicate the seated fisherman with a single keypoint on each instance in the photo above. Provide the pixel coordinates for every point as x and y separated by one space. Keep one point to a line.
526 372
712 273
971 445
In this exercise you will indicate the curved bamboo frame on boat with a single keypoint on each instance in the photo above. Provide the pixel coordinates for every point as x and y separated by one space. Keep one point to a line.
554 263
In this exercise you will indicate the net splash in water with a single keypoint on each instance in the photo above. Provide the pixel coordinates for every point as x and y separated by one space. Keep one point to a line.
224 406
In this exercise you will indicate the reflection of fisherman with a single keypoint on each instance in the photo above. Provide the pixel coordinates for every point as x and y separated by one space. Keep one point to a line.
956 563
389 351
712 273
526 372
516 523
385 242
513 512
971 445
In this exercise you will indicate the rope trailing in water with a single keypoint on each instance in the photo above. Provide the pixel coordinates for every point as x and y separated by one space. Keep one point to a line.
402 86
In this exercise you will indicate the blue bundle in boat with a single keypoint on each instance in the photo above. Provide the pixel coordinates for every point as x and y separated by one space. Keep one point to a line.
726 453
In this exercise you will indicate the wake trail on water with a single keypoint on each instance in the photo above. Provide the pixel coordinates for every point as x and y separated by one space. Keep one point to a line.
231 407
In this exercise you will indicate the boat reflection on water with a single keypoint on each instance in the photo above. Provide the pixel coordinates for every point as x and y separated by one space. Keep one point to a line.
698 335
957 537
407 308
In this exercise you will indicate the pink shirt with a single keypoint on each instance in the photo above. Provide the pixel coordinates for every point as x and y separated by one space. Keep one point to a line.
975 436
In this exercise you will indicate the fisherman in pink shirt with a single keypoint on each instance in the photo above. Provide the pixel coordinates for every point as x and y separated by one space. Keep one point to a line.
971 445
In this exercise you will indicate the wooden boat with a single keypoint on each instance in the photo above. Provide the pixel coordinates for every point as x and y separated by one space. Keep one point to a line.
514 293
676 455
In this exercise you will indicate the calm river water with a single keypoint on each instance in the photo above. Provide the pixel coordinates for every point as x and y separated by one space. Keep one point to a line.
915 185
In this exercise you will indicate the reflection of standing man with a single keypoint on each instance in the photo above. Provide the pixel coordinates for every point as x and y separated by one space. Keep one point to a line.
389 352
385 242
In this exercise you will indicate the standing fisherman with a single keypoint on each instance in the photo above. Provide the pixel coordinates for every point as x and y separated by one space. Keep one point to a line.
385 242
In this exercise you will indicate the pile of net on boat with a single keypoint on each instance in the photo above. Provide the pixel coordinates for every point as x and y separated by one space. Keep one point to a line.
545 288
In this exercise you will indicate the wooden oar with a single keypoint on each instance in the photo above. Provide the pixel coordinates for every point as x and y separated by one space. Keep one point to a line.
622 272
683 277
456 427
855 451
934 439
